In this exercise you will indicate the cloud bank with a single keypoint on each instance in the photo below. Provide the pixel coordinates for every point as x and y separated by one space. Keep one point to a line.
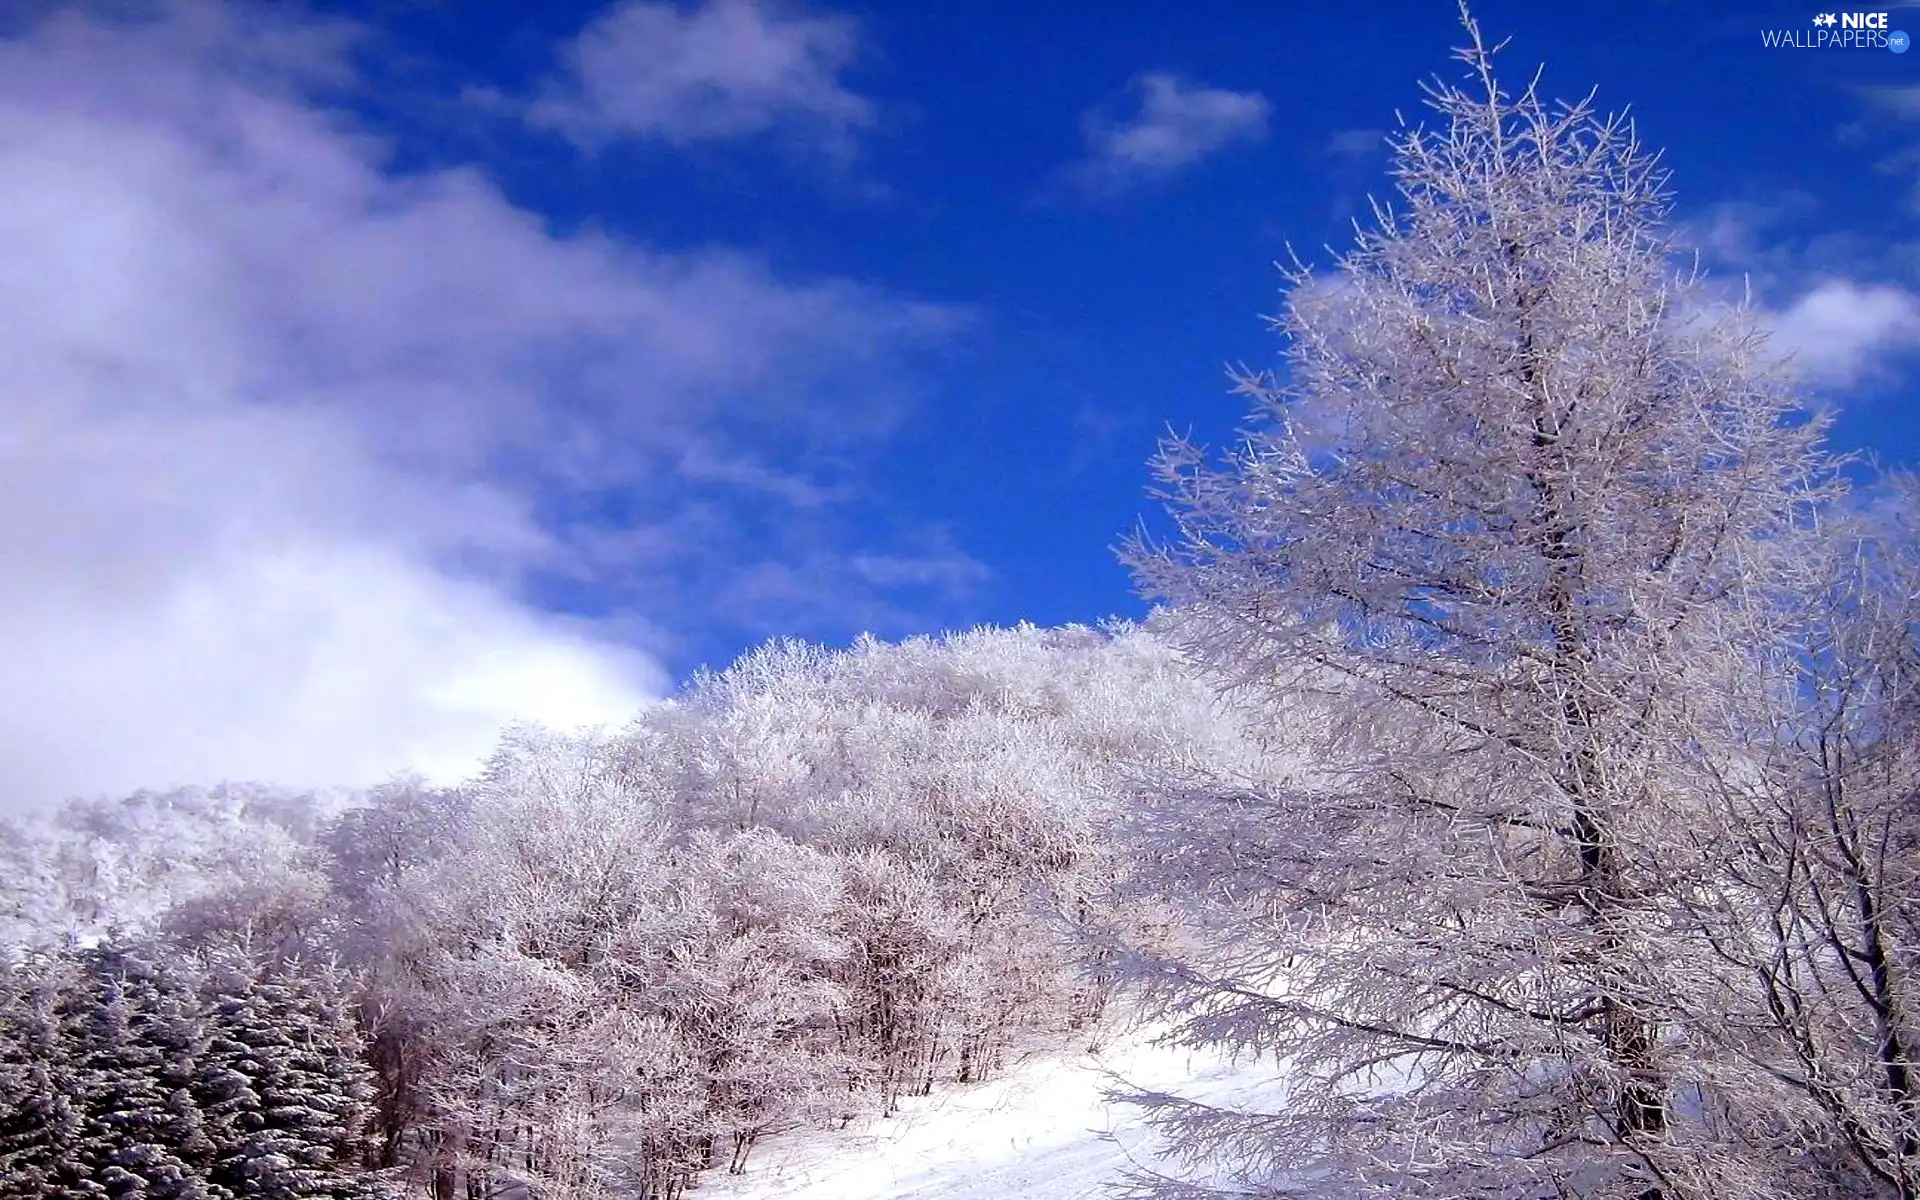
290 434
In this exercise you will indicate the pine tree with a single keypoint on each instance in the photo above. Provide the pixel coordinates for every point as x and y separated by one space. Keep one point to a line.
39 1119
285 1092
132 1038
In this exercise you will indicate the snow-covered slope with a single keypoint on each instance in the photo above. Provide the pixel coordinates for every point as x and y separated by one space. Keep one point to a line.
1044 1131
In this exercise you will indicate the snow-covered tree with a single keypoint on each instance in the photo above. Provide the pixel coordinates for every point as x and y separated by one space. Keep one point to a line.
1484 531
1814 923
40 1110
285 1092
95 865
375 856
132 1036
139 1074
817 882
510 1055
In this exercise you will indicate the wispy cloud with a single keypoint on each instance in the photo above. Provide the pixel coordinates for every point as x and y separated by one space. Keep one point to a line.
894 590
1887 109
1899 101
1175 126
724 69
1356 145
290 436
942 567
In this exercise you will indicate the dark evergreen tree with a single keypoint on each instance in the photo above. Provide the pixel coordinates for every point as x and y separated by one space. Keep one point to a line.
39 1119
283 1084
140 1075
133 1036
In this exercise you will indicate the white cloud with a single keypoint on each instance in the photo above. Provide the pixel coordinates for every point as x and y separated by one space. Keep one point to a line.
1840 331
283 427
725 69
1357 145
321 662
1177 125
1821 291
946 568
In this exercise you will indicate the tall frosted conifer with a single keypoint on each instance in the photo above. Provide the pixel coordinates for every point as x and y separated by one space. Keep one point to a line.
1517 477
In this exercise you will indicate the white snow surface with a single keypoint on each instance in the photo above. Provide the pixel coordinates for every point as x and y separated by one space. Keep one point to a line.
1043 1130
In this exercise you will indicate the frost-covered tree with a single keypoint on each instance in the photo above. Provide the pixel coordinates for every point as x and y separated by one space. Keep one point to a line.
491 1015
962 785
749 986
285 1092
815 883
374 856
1485 529
1814 923
95 865
132 1036
40 1111
139 1074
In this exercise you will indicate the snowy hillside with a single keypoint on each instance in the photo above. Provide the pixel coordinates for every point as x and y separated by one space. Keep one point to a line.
1044 1131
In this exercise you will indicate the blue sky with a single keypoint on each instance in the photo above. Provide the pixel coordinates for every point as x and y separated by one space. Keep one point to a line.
389 370
1099 314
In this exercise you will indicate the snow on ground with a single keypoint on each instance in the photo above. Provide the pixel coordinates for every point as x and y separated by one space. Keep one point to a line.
1043 1131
